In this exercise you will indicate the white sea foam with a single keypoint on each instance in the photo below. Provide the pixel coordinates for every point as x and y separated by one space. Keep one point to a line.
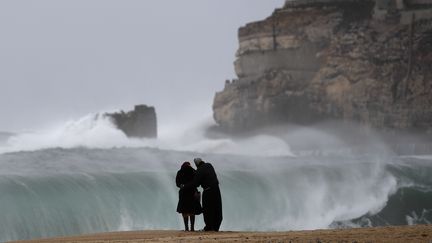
96 131
91 131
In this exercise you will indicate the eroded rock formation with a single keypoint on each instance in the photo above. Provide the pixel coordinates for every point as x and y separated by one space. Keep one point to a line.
141 122
317 60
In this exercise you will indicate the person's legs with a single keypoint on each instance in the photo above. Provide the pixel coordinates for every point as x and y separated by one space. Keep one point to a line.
212 215
192 220
185 221
217 209
206 203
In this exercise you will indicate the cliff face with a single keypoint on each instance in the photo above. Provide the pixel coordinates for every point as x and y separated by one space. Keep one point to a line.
141 122
317 60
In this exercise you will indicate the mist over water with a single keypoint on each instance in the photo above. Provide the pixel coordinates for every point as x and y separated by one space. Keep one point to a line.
85 176
97 131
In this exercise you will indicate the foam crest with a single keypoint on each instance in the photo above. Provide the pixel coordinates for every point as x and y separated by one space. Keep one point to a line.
98 131
92 131
307 196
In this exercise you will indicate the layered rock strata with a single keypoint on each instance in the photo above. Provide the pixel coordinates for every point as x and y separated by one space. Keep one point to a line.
140 123
317 60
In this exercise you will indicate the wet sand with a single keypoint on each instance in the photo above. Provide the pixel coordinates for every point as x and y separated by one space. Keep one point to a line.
419 233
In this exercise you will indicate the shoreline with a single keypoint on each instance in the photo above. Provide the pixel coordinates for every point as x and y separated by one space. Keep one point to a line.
416 233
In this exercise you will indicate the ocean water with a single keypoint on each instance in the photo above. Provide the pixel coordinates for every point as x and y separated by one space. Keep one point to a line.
85 177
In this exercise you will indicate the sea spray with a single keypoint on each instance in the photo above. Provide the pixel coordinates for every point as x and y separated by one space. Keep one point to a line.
86 176
97 131
306 194
93 131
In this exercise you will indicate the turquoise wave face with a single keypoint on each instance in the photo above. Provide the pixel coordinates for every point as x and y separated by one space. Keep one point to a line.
412 202
34 207
59 192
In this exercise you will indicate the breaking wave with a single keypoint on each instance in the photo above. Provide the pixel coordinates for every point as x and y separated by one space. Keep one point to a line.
86 176
58 192
97 131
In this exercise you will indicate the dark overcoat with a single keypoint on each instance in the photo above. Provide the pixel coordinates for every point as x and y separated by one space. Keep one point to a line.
188 201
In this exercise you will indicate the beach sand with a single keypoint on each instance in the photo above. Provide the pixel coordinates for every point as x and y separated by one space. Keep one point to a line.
418 233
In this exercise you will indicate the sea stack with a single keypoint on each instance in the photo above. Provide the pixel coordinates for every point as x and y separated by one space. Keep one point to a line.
139 123
352 60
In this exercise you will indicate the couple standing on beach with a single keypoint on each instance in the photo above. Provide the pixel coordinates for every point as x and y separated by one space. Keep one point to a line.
188 179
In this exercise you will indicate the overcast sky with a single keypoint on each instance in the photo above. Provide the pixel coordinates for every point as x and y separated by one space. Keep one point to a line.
61 60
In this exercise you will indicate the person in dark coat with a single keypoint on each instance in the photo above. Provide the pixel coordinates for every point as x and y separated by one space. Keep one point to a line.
189 200
212 201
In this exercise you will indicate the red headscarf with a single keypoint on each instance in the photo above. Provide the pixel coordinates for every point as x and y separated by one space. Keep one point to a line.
185 164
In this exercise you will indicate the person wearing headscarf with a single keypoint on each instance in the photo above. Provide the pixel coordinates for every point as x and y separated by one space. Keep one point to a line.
189 200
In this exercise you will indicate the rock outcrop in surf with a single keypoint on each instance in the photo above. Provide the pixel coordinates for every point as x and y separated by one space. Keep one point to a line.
353 60
140 123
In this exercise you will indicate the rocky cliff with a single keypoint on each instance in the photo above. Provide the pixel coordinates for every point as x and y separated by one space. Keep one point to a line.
347 60
141 122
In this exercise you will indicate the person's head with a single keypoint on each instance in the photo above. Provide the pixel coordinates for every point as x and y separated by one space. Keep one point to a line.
185 164
198 161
